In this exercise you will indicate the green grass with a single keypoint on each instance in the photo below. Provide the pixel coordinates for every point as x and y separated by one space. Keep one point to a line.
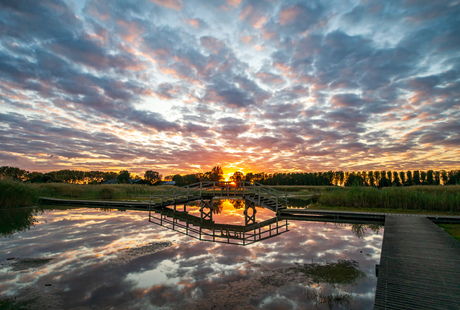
452 229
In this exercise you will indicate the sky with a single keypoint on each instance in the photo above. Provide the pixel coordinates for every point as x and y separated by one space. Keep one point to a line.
181 86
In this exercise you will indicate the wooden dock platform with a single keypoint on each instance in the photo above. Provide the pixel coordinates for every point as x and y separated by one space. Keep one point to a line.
419 266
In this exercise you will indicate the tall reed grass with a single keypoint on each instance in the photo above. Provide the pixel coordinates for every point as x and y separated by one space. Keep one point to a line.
427 198
112 191
14 194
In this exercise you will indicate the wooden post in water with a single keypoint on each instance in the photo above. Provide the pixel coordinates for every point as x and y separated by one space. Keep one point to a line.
174 200
150 205
259 195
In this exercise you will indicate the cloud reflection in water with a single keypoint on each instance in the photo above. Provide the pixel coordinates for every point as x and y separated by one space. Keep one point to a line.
113 258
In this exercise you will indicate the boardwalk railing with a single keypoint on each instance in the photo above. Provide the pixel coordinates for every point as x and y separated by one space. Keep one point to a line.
257 193
208 230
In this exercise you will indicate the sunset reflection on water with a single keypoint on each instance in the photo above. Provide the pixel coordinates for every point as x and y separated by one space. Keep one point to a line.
118 259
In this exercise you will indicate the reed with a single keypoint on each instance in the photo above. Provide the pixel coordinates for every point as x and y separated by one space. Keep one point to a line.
427 198
14 194
106 192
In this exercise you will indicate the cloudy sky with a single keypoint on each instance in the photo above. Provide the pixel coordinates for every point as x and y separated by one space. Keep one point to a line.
180 86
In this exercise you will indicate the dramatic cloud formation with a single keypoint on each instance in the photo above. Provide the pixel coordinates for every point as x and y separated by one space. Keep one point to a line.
180 86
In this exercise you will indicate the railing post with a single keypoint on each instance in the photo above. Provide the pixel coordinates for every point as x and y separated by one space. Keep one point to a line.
243 188
285 197
188 192
150 205
259 195
228 189
213 188
201 187
276 204
162 196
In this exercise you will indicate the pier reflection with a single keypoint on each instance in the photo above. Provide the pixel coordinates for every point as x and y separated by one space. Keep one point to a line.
225 221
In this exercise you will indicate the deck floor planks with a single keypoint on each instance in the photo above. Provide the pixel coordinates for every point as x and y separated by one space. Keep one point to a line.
419 266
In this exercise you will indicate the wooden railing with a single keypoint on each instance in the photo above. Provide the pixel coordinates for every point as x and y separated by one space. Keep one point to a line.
256 192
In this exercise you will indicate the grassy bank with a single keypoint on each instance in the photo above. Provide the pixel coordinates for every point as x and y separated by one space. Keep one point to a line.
425 198
452 229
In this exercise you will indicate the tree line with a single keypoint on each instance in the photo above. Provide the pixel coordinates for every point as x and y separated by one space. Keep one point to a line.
375 178
79 177
338 178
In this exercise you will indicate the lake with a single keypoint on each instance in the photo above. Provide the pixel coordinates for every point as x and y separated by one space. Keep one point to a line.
88 258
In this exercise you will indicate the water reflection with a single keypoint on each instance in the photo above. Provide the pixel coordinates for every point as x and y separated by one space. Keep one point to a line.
13 221
96 259
224 229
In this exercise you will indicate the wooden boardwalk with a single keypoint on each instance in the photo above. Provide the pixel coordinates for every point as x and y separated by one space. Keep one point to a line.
419 266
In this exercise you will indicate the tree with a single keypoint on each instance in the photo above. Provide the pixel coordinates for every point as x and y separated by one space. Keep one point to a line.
237 176
152 176
417 177
409 181
123 176
217 174
371 178
430 177
14 173
178 179
423 177
396 181
402 176
249 176
354 179
437 177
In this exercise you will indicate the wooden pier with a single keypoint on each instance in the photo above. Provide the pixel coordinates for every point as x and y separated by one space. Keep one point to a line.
419 266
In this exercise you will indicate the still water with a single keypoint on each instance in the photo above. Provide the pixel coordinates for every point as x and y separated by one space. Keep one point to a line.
87 258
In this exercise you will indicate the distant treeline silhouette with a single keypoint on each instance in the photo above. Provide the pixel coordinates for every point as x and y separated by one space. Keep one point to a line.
338 178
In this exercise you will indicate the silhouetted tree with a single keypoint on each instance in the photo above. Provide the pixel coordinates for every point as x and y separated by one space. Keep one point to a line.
237 176
152 176
396 181
217 174
409 181
402 177
416 177
123 176
430 177
423 177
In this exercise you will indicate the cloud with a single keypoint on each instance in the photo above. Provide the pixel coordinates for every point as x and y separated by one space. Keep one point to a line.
275 87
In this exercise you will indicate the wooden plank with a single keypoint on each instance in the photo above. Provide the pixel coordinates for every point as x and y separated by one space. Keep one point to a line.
419 266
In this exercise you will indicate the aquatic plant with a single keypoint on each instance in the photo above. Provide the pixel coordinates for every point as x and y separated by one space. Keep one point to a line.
336 273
